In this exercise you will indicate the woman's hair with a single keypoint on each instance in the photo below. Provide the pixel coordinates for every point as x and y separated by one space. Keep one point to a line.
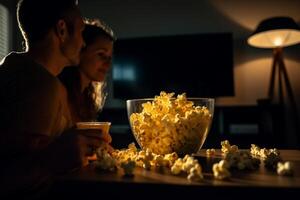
94 28
86 105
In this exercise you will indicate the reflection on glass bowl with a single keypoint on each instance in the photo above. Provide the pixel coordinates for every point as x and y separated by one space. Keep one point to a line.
167 125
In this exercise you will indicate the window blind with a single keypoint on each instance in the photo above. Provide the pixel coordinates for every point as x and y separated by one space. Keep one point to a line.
4 31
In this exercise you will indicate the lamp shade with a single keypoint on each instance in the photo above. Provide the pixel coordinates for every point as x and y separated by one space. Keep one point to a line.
275 32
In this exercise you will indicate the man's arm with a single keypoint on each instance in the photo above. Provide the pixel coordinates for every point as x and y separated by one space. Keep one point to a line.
29 135
30 119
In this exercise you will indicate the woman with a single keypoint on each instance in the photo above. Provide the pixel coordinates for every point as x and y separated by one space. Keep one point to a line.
85 82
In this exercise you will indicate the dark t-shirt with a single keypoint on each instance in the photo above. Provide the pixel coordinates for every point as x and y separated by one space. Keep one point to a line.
30 99
32 114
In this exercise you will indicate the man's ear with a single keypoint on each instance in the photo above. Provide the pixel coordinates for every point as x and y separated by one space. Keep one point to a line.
61 30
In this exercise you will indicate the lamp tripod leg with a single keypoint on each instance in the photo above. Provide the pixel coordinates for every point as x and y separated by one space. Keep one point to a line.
280 85
272 78
287 82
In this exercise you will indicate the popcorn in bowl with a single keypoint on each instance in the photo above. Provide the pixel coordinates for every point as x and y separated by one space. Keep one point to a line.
167 124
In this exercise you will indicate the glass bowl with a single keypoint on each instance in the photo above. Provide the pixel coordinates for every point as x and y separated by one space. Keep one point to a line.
170 125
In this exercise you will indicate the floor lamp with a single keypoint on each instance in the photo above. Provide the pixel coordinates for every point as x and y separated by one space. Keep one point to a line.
276 33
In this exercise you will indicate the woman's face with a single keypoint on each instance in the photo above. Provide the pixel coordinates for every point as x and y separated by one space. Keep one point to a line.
96 58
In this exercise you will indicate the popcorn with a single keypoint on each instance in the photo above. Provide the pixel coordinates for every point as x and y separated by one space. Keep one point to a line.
132 147
220 170
255 150
270 156
210 152
140 157
285 169
234 158
169 124
272 160
195 173
188 165
147 159
241 160
171 158
177 167
226 147
147 165
144 158
128 167
105 161
160 161
262 153
125 154
274 151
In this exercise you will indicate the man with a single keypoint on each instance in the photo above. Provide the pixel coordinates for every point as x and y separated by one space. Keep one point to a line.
36 141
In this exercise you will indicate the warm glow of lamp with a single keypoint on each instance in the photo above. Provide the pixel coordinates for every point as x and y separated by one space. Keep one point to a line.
275 32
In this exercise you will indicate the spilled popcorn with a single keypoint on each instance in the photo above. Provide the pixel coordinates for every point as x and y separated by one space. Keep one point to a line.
130 158
195 173
234 159
188 165
221 170
227 148
285 169
242 160
262 153
105 161
128 167
250 160
210 152
270 156
271 161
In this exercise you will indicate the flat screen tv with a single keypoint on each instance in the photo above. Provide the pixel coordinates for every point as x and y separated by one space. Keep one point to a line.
200 65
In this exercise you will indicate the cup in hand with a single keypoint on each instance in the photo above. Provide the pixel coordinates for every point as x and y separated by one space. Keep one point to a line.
103 126
94 129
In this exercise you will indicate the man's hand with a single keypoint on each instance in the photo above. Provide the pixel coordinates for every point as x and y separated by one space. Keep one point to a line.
71 149
95 133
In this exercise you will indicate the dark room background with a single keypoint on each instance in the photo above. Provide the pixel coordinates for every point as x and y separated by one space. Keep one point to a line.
252 66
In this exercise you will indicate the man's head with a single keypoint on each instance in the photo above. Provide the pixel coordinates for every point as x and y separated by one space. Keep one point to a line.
37 18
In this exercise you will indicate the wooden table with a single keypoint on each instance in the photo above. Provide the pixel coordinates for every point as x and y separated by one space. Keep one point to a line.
155 184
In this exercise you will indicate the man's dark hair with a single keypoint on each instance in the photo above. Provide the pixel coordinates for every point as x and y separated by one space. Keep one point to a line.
37 17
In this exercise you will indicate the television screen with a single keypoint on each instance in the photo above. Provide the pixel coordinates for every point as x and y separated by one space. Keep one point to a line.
201 65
